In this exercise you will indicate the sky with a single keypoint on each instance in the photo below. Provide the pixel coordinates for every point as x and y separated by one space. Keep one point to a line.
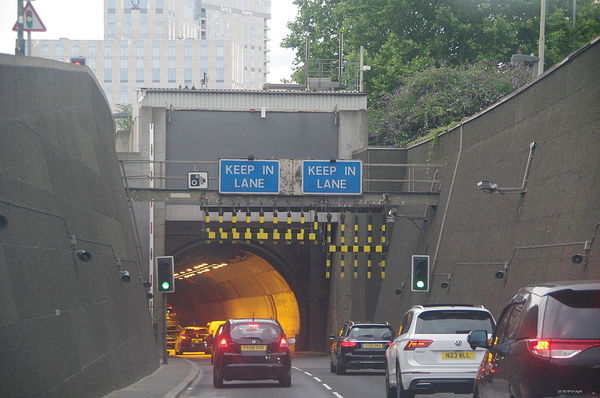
66 18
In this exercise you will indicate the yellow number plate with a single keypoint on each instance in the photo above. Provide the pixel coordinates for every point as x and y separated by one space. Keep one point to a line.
254 347
372 345
458 355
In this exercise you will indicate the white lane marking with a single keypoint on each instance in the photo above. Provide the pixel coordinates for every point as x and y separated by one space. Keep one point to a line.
308 374
326 386
338 395
317 379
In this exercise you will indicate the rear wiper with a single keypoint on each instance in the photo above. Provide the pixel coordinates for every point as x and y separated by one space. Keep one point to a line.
463 331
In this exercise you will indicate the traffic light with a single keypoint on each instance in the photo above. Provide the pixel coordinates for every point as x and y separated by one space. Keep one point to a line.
420 273
78 60
164 274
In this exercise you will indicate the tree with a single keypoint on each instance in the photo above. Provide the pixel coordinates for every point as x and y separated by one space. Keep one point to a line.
438 97
125 121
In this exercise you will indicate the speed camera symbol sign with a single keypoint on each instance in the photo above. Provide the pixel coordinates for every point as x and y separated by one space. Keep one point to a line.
197 180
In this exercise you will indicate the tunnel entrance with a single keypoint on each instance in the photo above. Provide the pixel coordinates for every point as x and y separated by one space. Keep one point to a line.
220 280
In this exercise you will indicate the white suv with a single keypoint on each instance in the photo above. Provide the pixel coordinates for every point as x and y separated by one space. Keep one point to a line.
431 353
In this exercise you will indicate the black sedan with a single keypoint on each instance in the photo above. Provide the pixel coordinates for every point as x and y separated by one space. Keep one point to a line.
252 349
192 339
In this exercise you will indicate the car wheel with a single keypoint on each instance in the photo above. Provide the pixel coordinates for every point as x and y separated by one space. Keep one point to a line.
390 392
400 391
217 378
286 379
340 369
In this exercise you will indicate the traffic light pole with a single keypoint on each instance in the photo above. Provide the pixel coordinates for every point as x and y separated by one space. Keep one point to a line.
20 47
164 331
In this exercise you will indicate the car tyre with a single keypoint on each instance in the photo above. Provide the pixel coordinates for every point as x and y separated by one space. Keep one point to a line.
217 378
286 379
340 369
390 392
400 391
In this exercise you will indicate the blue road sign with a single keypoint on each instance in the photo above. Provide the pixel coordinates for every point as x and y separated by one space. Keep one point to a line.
249 176
323 177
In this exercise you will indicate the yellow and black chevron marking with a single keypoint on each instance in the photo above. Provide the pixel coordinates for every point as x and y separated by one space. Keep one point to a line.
370 229
342 266
382 265
276 234
369 264
355 263
343 229
383 230
300 235
328 266
356 237
312 235
357 249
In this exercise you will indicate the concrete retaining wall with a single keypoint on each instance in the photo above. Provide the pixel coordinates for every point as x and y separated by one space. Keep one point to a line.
536 233
69 328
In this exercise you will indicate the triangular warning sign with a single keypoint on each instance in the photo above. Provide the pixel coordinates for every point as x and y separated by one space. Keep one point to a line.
31 20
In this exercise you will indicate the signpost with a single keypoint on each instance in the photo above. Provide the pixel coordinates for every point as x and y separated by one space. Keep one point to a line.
339 177
248 176
30 22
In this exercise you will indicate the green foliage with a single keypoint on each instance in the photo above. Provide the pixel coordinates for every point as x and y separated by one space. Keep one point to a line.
405 37
437 97
124 123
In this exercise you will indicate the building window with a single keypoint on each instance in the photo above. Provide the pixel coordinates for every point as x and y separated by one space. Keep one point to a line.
172 75
155 75
107 75
139 75
124 73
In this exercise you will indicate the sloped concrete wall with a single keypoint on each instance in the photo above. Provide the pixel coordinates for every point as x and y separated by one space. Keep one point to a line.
536 233
69 328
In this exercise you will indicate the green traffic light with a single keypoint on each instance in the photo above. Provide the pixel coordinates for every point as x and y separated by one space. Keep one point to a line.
165 285
420 284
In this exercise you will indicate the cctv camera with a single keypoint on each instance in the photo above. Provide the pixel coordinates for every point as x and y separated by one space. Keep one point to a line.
486 186
125 276
149 295
392 212
84 255
499 275
444 285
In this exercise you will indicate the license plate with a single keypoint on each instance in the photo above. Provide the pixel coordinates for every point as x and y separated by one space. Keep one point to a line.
458 355
372 345
254 348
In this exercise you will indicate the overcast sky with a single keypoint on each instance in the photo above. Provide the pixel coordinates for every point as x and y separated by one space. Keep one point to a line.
83 19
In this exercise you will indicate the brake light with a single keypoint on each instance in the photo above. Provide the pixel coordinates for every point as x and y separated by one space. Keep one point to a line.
559 349
347 344
389 343
253 325
412 344
223 344
183 337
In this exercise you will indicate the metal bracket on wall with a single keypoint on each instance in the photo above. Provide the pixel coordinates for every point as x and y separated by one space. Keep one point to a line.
490 187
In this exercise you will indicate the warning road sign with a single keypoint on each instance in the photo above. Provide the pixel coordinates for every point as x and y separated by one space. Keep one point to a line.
32 21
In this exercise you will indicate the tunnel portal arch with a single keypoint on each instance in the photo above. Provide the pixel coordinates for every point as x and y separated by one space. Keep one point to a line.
243 279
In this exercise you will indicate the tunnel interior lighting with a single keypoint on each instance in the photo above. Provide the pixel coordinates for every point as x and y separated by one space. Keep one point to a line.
198 269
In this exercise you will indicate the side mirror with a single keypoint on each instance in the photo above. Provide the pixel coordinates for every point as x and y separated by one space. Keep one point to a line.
478 338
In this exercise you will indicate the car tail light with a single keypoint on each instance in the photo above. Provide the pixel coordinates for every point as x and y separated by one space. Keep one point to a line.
558 348
389 343
183 337
347 344
283 344
412 344
223 345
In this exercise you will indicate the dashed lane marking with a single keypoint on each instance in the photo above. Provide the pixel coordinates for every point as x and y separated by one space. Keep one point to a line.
337 394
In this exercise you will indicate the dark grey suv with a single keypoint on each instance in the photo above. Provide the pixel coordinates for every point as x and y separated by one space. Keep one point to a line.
546 343
360 345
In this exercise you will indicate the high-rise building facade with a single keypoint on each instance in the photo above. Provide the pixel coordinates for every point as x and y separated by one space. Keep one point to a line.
217 44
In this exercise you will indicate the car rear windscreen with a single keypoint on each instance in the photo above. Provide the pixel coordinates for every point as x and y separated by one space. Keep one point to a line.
453 322
371 333
196 333
262 332
572 315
